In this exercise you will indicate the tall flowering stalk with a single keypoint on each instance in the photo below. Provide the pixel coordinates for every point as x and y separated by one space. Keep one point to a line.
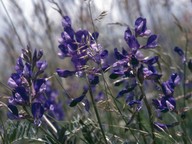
87 56
32 95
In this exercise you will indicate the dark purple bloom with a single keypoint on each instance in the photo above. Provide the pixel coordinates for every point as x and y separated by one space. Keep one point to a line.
39 85
41 65
94 80
75 101
151 42
13 112
19 65
15 80
133 44
151 74
180 52
27 71
141 28
138 103
165 103
66 22
118 55
134 61
20 95
168 86
37 111
95 35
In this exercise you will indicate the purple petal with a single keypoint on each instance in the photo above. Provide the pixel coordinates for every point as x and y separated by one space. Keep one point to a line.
64 73
37 110
75 101
152 42
118 55
66 22
151 61
179 51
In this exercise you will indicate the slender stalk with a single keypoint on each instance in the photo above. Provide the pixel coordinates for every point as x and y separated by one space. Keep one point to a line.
49 123
140 127
96 112
185 68
183 125
149 113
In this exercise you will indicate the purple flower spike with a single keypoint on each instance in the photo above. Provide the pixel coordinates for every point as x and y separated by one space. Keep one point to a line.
37 111
64 73
140 27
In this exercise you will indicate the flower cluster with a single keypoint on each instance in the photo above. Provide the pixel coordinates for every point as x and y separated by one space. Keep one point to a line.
87 56
131 63
81 46
167 102
30 90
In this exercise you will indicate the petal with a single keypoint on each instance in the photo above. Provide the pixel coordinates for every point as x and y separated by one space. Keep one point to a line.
64 73
66 22
151 61
152 42
13 109
118 55
75 101
37 110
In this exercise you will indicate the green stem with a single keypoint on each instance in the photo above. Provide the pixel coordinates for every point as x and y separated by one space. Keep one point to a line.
140 127
97 114
149 113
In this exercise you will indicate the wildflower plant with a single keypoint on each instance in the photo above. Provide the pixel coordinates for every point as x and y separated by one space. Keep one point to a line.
113 89
31 91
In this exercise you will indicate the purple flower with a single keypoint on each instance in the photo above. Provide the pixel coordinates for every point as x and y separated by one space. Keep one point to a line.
15 80
180 52
165 103
41 65
75 101
28 89
151 42
37 111
141 28
131 41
